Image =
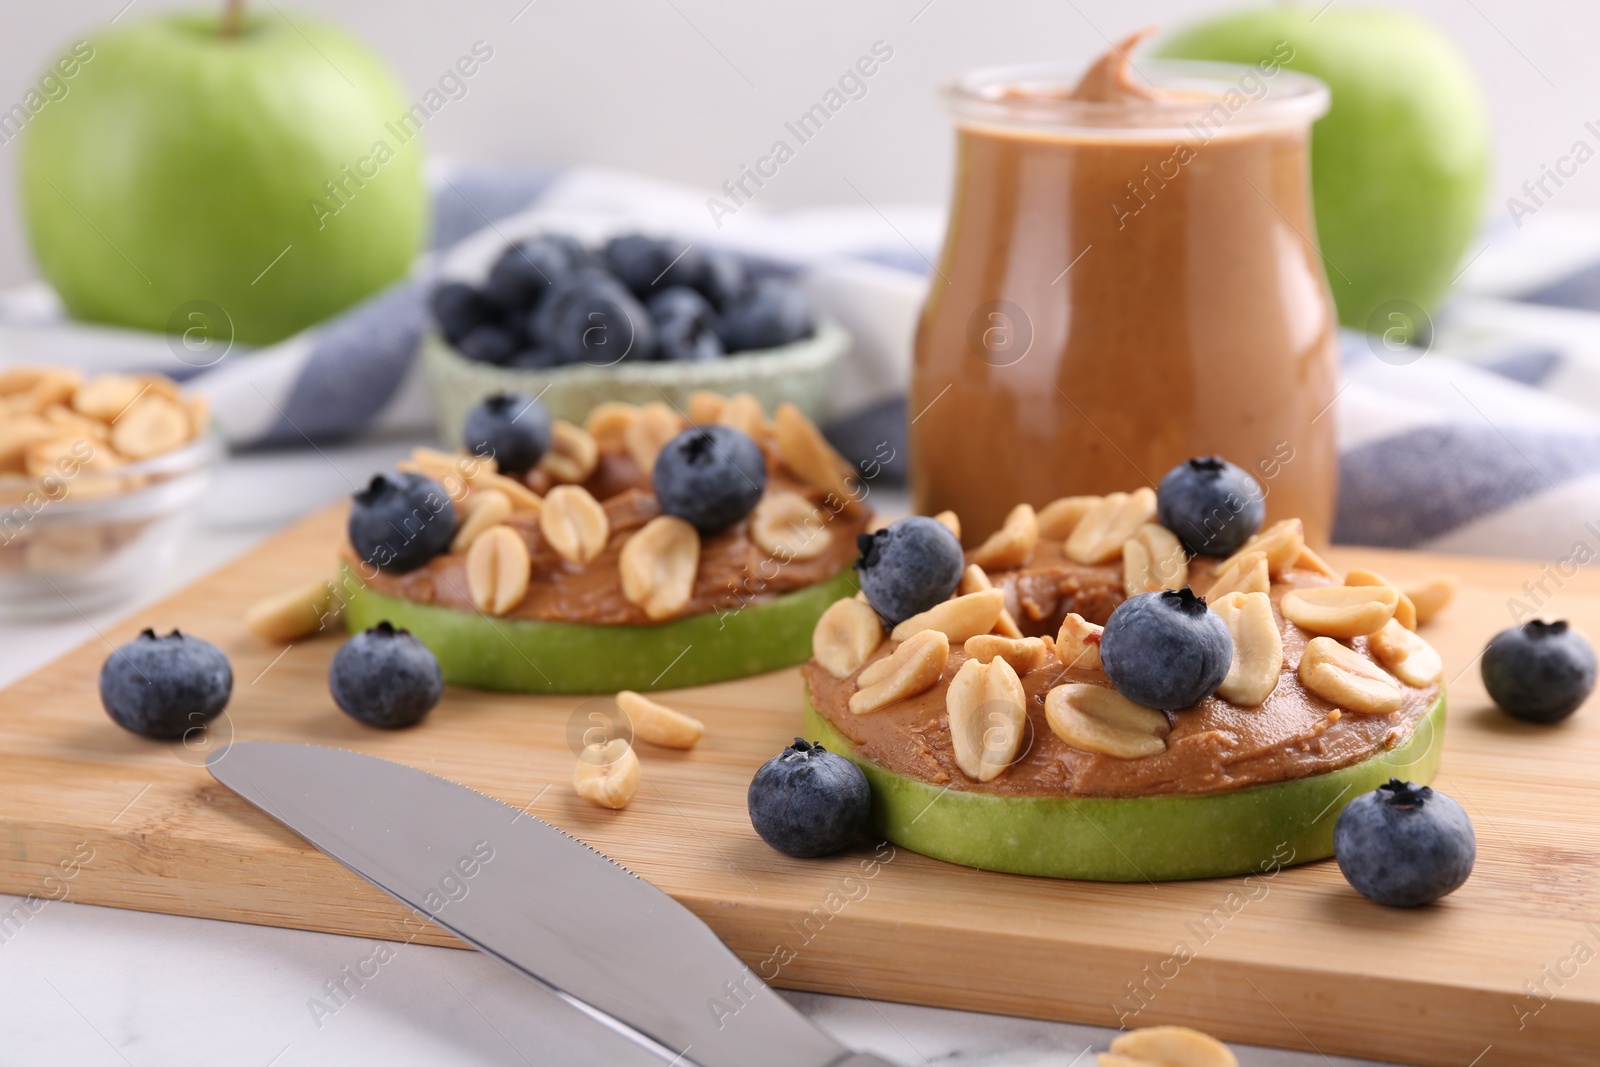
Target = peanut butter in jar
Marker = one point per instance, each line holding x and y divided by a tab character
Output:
1130	278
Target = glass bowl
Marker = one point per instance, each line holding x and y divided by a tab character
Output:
71	544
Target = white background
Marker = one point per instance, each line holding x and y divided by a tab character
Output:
690	89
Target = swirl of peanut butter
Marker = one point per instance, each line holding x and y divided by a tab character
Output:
1110	79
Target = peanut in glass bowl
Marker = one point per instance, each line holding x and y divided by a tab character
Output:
72	543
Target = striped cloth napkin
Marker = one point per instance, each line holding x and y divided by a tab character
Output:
1484	440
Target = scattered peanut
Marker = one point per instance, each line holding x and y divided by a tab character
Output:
652	427
498	569
911	669
608	423
1343	676
744	413
950	521
1257	648
1340	610
1078	643
1100	534
1310	561
1432	595
607	775
150	426
1012	545
788	526
974	580
958	618
659	724
573	454
1405	612
807	453
658	565
485	477
1095	718
1167	1046
1059	518
294	613
706	407
1283	543
574	523
1153	559
846	636
1244	573
489	507
1023	653
1408	656
987	709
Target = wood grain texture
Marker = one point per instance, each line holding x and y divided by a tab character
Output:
1294	959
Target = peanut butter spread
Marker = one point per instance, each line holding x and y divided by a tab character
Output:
1213	747
734	571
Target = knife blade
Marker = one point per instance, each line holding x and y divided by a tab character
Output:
535	898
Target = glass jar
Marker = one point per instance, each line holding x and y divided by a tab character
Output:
1125	285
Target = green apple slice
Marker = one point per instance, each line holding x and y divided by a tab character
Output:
531	656
1132	839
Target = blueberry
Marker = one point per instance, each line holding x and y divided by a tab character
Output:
488	344
685	326
1404	845
909	566
1212	506
1166	650
401	521
643	263
773	312
807	801
591	318
457	308
526	271
511	427
385	677
1539	671
710	477
163	687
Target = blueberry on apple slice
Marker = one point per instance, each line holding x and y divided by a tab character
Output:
685	326
400	521
513	428
909	566
164	687
1211	505
710	477
1166	650
1404	845
773	312
385	677
459	308
1539	671
808	802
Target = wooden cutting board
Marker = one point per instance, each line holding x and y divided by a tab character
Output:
1507	970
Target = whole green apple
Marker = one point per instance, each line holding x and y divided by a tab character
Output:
263	166
1400	162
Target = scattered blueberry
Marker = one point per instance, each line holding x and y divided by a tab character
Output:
1404	845
526	271
488	344
808	802
385	677
1211	505
710	477
685	326
1539	671
457	308
401	521
773	312
163	687
511	427
909	566
591	318
1166	650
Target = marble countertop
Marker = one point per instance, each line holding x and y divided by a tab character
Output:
87	985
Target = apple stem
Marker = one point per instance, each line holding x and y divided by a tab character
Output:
232	17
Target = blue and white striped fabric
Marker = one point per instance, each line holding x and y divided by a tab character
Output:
1487	442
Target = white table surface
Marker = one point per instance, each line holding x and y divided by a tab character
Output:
85	986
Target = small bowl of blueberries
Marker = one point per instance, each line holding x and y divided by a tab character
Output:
635	318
